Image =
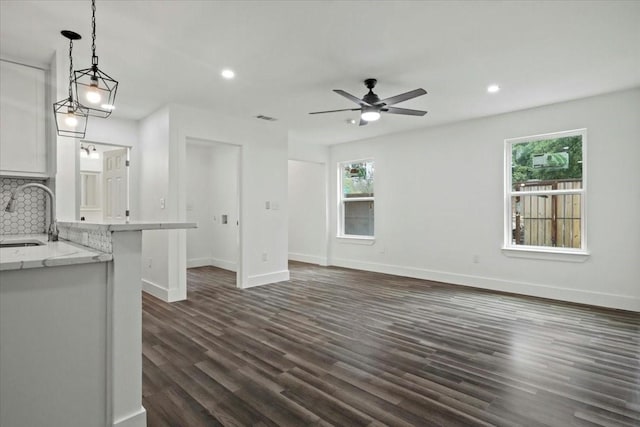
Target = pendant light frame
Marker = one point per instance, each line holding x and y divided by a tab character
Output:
68	111
94	82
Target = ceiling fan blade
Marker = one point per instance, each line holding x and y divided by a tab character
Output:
335	111
363	122
406	111
402	97
351	97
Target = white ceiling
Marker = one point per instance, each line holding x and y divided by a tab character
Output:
288	56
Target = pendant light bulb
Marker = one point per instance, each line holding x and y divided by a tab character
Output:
71	120
93	94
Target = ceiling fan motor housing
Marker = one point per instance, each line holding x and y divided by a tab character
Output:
370	98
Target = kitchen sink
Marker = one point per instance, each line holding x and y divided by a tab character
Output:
21	243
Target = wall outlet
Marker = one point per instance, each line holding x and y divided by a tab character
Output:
162	203
267	205
264	257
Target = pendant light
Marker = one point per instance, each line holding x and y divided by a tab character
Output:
95	90
71	117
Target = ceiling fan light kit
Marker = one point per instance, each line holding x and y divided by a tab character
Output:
370	114
371	106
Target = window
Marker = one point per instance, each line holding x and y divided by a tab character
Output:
545	192
356	208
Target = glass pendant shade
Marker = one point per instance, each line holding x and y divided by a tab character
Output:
71	118
94	89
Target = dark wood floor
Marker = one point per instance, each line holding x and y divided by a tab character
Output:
349	348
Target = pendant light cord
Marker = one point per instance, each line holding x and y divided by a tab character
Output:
94	58
70	69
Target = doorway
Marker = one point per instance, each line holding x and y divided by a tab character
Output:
104	182
213	201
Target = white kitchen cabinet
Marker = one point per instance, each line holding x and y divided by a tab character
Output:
23	139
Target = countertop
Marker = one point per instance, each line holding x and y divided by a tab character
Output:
127	226
50	254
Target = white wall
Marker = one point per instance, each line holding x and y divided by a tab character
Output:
225	200
67	180
263	178
199	204
163	137
154	182
439	204
308	152
307	212
212	191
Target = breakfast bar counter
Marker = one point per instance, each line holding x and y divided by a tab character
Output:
71	326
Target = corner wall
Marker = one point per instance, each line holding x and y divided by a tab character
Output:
307	212
440	203
263	178
163	137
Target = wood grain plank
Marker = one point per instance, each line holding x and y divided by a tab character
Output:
341	347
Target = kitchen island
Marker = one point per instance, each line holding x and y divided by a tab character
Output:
70	327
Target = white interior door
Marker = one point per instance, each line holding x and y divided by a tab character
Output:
115	184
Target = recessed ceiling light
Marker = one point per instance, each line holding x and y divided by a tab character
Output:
352	121
228	74
493	88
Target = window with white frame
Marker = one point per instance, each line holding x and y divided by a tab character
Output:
545	192
356	207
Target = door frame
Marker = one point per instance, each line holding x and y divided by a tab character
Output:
77	171
183	201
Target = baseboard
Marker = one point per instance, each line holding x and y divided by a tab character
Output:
198	262
600	299
265	279
311	259
162	293
215	262
224	264
138	419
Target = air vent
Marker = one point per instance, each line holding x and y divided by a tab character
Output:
267	118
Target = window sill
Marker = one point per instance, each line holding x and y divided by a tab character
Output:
356	240
546	254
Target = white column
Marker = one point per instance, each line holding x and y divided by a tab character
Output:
126	333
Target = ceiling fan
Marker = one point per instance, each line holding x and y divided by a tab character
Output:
371	105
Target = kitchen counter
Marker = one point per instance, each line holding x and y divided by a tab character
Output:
126	226
51	254
71	336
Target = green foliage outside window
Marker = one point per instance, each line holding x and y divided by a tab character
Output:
357	179
550	162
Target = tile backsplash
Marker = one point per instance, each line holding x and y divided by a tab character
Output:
30	216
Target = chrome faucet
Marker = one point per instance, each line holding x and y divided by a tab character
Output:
53	225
